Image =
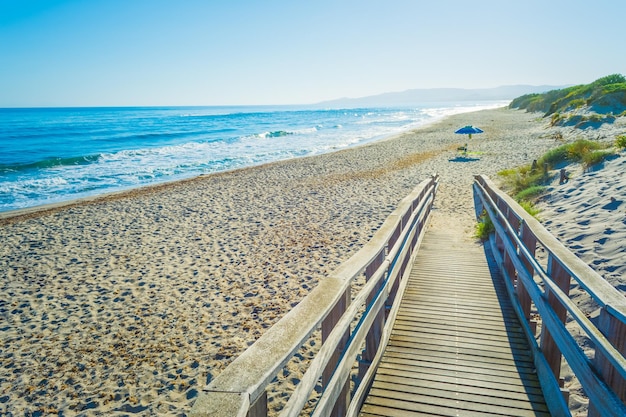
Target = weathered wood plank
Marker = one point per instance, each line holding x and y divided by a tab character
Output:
433	376
493	324
477	316
459	371
476	361
450	392
474	344
460	356
432	345
445	406
465	385
456	347
456	330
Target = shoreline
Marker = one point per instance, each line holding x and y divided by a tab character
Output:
26	212
131	303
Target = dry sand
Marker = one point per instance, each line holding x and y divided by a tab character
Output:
588	215
131	303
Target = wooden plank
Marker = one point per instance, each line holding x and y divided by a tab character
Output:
464	371
468	303
433	375
460	356
496	324
452	386
463	385
404	326
456	347
473	344
433	346
450	392
448	312
444	406
451	359
433	314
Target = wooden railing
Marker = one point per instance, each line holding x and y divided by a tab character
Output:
352	328
538	272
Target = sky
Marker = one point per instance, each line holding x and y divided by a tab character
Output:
244	52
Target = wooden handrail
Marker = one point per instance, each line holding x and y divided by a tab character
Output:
240	390
517	236
399	256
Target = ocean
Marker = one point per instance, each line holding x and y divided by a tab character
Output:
51	155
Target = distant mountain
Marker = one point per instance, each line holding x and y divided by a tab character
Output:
429	95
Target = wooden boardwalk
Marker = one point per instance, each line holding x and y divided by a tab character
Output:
456	347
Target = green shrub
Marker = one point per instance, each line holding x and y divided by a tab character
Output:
525	183
595	157
554	156
521	178
507	172
581	147
484	227
529	179
620	142
571	152
530	193
609	79
578	102
556	101
530	208
555	119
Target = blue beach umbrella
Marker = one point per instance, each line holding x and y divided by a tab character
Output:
468	130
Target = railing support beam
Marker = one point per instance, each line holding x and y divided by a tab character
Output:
372	340
530	242
615	331
549	347
327	327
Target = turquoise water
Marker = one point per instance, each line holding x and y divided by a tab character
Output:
49	155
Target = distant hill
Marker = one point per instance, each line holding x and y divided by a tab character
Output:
430	95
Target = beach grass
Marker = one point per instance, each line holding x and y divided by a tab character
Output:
484	227
527	182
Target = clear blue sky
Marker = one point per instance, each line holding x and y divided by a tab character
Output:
223	52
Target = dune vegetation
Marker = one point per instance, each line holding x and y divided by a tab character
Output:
581	105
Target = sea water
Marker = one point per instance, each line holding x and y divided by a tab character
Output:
50	155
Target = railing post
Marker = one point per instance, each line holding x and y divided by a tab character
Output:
395	235
615	331
500	238
372	340
327	327
551	351
416	235
530	242
508	263
259	407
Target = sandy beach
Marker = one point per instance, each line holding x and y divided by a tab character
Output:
131	303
